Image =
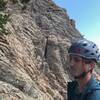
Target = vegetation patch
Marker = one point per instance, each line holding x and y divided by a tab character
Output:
24	1
3	18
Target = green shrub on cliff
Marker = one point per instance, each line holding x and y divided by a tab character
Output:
3	18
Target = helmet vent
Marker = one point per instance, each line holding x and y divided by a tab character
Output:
85	44
99	57
86	51
96	51
94	46
92	53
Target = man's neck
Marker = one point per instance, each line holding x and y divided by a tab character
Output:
83	82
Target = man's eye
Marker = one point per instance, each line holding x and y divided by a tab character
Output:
76	59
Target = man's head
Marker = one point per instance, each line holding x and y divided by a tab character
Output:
82	57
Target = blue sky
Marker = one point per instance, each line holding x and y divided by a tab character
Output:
86	14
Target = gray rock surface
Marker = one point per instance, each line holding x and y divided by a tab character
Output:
33	57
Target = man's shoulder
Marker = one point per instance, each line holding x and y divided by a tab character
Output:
93	90
94	94
94	85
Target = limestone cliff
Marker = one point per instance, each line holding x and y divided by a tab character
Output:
33	56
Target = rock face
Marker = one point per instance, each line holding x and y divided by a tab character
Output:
33	56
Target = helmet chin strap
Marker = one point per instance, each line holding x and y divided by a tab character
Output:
81	76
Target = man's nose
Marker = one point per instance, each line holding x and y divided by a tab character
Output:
72	62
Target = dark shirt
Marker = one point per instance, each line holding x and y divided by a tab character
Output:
90	92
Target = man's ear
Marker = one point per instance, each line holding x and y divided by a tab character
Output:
92	64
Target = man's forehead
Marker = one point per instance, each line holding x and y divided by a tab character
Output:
73	55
